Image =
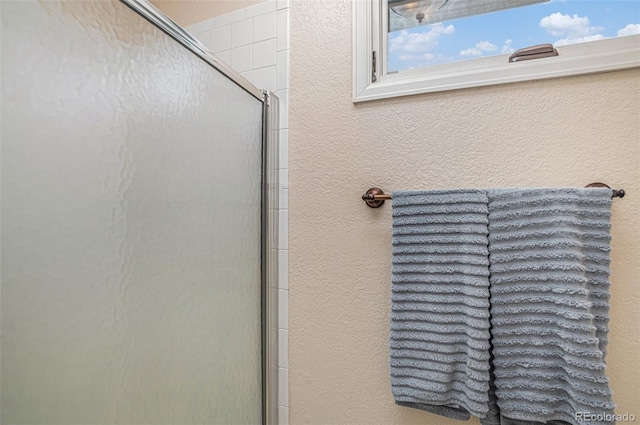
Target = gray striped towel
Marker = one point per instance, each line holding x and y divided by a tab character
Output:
440	302
547	260
549	256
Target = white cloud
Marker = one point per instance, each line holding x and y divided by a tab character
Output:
424	56
472	51
485	46
573	29
479	49
408	44
567	41
631	29
418	49
506	47
570	27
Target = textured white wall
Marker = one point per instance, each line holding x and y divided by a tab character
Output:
564	132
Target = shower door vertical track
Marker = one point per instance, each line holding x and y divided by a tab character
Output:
269	202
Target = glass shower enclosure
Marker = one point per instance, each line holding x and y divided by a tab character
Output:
138	205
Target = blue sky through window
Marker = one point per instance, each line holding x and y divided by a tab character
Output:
558	22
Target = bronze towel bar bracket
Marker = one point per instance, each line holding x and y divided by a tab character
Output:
375	197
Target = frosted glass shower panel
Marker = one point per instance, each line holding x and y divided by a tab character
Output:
131	224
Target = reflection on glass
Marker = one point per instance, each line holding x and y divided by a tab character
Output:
410	13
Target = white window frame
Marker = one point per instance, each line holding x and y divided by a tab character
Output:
370	35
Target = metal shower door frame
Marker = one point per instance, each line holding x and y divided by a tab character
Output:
269	202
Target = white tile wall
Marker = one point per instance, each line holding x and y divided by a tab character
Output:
242	58
220	39
282	62
283	95
284	153
264	53
242	33
283	387
283	257
204	37
283	415
283	29
264	78
264	27
255	42
283	354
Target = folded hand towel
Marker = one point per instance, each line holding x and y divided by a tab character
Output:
549	256
440	302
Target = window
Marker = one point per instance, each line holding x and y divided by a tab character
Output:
403	47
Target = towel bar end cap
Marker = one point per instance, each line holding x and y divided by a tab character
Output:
370	197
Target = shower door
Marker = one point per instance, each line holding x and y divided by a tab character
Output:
131	224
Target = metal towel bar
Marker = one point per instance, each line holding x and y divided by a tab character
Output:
375	197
